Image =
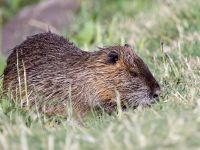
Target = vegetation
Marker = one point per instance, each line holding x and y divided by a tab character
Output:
166	34
11	7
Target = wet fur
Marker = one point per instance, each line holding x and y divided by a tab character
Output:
56	72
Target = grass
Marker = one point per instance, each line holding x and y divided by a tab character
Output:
173	123
11	7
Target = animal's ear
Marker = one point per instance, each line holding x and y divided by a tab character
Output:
112	57
127	45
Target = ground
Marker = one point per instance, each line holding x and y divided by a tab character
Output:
166	34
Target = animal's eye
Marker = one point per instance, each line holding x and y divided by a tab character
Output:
133	73
113	57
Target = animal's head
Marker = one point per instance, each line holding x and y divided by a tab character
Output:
128	74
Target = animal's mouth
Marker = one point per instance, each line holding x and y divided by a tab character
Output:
151	102
147	104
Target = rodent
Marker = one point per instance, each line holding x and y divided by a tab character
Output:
49	71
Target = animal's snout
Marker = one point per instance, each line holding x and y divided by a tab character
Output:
154	94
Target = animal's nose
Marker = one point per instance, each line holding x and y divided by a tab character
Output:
155	92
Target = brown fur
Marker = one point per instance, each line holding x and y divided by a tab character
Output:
57	72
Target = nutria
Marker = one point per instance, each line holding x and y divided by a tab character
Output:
48	70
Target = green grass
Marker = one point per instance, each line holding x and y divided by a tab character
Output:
173	123
11	7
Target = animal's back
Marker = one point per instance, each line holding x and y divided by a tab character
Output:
46	46
41	62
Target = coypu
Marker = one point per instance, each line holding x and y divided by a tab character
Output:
48	70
